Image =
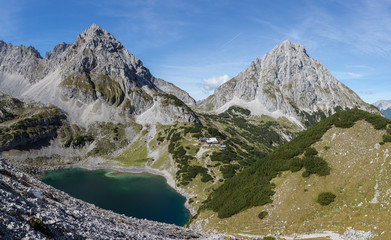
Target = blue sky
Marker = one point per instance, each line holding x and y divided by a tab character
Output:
198	44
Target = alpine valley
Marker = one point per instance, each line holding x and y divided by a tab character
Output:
281	150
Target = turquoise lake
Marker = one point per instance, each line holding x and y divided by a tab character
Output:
135	195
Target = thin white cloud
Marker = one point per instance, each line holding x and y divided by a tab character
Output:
292	32
231	40
366	27
210	84
360	67
369	92
347	75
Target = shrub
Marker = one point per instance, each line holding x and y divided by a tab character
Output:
310	152
81	140
295	164
169	98
386	138
238	109
196	128
206	177
262	214
229	171
38	225
269	238
176	137
316	165
325	198
305	174
224	156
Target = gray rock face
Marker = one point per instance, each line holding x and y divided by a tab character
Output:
57	50
384	106
20	60
31	209
285	82
172	107
93	79
174	90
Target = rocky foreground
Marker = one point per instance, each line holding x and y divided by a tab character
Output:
30	209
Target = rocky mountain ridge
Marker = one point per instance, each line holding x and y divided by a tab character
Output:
93	79
384	106
285	82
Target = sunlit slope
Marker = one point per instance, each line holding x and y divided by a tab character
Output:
355	145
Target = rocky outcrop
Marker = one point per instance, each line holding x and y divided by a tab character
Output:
20	60
57	50
31	209
285	82
173	108
384	106
93	79
174	90
25	124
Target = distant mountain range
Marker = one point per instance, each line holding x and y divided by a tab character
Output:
384	106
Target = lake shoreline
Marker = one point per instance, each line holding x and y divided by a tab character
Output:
132	170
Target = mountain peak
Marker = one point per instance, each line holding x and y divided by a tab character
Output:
285	82
95	36
286	42
289	47
94	30
94	26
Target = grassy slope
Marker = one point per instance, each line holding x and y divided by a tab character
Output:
360	171
253	186
356	169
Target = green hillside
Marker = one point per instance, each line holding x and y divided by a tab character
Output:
274	196
253	186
